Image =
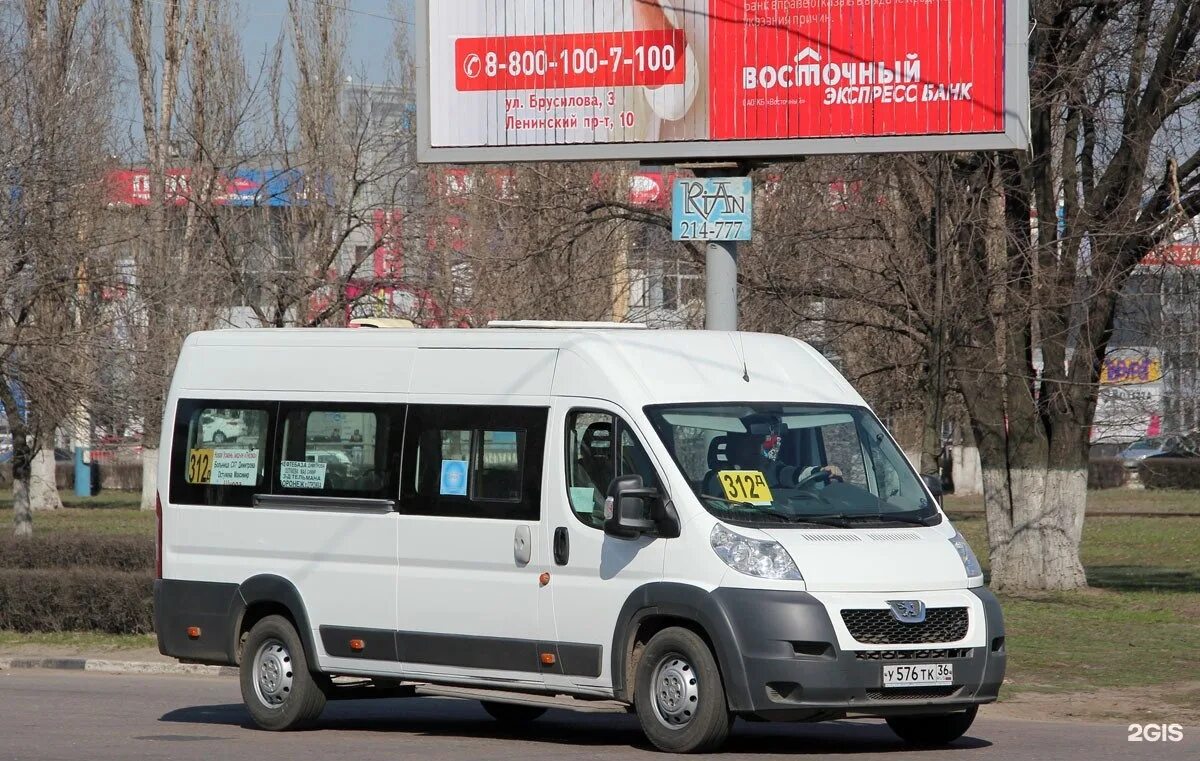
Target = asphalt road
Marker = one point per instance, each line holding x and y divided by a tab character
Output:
69	716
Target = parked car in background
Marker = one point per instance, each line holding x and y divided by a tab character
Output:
218	429
329	457
1141	449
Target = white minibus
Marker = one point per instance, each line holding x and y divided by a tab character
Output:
689	526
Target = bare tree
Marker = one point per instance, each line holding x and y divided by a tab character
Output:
158	332
56	100
1017	317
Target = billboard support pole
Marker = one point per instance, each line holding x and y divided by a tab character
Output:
720	264
720	285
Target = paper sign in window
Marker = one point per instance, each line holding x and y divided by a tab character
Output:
234	467
299	474
454	478
582	499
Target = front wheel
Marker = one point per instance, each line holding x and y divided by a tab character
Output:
277	687
939	729
679	697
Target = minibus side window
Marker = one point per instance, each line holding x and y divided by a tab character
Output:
476	462
220	452
601	446
339	450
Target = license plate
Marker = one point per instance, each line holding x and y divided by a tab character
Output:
917	674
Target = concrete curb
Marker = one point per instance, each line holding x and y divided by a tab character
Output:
105	666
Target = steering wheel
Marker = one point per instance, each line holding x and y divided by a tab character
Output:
822	475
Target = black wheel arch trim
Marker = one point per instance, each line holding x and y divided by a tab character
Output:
269	588
691	604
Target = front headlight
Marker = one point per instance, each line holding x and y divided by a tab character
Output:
969	561
753	557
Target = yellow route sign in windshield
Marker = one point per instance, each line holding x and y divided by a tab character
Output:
745	486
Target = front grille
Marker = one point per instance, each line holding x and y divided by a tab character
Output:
912	655
877	626
913	693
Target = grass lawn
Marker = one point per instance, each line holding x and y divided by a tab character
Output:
116	520
108	499
1110	501
1136	627
83	641
109	512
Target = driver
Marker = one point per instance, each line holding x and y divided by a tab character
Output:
762	454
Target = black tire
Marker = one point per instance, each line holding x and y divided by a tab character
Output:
689	715
219	437
295	698
939	729
511	713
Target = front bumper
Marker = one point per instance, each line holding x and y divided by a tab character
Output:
791	667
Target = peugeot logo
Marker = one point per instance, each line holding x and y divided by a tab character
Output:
908	611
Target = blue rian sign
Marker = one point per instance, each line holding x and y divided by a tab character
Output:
712	209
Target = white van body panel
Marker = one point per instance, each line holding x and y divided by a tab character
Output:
336	564
589	591
873	560
459	575
492	372
432	575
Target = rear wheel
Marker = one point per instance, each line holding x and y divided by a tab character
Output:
511	713
939	729
679	698
277	687
219	437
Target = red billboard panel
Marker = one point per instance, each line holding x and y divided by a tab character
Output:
1174	255
830	69
614	78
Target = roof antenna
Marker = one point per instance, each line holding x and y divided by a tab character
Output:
740	350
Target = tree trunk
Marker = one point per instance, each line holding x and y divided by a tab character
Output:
22	515
1034	525
149	477
931	429
21	459
43	487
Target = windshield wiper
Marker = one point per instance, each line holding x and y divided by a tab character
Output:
876	518
760	511
837	521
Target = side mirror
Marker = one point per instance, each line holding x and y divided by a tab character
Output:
627	508
934	484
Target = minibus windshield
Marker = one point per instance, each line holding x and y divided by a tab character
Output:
766	463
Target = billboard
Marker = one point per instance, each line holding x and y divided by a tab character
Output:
240	188
1130	402
516	80
1174	255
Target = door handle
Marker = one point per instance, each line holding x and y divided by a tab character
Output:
562	546
522	548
